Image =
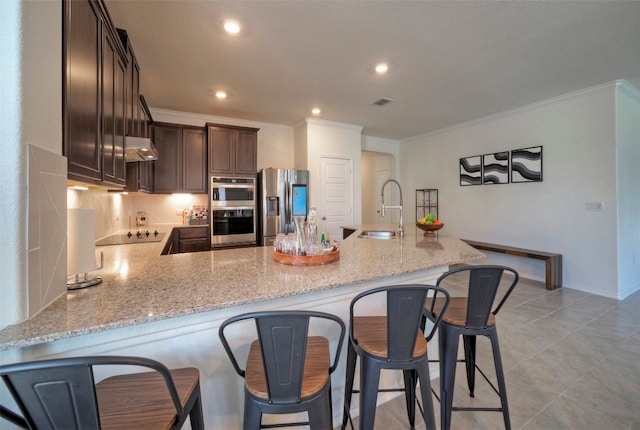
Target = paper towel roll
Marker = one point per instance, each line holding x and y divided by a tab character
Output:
81	249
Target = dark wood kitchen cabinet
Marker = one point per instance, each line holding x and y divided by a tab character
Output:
188	239
113	111
233	150
94	87
181	166
140	173
138	120
192	239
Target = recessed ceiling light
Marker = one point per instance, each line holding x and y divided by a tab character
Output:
316	111
382	68
221	94
232	27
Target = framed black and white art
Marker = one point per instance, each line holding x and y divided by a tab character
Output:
526	165
495	168
471	170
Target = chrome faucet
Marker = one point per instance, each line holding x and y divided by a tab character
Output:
382	212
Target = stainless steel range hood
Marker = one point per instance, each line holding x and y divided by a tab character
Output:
139	149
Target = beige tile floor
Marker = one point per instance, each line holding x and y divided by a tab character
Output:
571	361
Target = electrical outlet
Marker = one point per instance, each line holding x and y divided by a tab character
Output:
594	206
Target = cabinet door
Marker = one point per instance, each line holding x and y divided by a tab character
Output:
82	87
221	150
246	153
194	160
134	114
120	94
166	177
193	239
146	175
113	81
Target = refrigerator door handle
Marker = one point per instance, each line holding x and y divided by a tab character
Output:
287	206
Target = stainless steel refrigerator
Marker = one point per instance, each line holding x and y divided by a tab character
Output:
282	194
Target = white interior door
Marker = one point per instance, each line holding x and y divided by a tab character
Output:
336	195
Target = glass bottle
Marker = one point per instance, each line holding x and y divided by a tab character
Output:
299	235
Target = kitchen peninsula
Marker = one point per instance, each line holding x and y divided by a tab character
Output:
169	307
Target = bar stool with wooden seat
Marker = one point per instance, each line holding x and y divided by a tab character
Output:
394	340
287	371
61	394
469	317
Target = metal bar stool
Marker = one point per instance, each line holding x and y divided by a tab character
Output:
469	317
61	394
287	371
392	341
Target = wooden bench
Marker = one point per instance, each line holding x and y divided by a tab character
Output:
553	262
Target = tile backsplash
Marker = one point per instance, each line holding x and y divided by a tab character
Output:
115	211
47	258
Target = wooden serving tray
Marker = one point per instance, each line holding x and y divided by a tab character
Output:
307	260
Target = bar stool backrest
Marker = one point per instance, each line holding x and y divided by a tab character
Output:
405	308
57	398
283	339
60	394
405	313
484	282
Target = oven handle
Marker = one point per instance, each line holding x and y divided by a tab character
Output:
221	185
231	208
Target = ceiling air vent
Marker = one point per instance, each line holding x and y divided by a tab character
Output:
382	101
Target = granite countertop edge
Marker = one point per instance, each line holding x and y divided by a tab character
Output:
141	286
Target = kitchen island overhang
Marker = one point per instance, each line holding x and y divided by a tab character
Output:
142	286
169	307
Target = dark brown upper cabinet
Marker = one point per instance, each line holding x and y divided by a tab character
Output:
181	166
233	150
140	173
94	88
138	121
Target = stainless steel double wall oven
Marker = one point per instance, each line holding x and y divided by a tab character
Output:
233	211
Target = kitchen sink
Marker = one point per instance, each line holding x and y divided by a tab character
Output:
377	234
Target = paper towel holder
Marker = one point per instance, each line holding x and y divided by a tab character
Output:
83	281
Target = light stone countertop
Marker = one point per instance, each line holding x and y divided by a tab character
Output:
140	285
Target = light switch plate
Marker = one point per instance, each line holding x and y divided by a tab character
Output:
594	206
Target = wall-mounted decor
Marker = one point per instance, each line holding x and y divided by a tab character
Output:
495	168
471	170
526	165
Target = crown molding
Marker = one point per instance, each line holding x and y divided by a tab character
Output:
219	119
532	106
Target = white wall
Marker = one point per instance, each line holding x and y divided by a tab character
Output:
275	141
578	135
34	228
628	160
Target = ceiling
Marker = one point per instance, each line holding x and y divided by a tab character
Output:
449	61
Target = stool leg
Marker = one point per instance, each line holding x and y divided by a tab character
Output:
196	416
427	399
502	387
410	395
469	342
348	385
369	381
320	416
252	414
448	356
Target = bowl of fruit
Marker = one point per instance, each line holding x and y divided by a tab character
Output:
429	224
